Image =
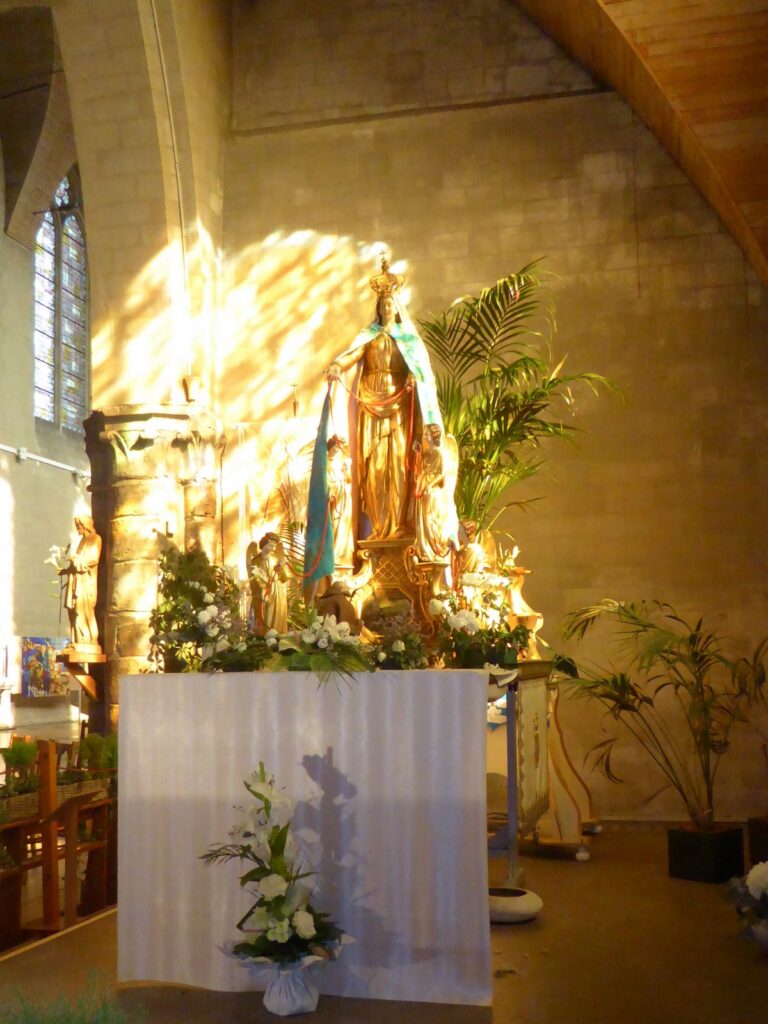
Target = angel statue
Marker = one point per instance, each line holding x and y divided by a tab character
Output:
436	471
393	397
269	584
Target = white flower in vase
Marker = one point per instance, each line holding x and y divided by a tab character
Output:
304	924
271	887
308	636
436	607
323	642
398	646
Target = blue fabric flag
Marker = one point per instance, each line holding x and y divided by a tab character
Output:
318	552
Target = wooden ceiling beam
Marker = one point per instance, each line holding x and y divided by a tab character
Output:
717	72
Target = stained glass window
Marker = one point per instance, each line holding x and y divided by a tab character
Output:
61	312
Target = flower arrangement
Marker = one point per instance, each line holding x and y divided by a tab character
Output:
321	645
197	622
400	644
470	638
282	926
750	896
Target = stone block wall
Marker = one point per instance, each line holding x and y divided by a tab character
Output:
662	495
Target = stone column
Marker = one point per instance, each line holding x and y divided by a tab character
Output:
154	477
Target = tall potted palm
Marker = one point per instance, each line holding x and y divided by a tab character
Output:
679	698
499	395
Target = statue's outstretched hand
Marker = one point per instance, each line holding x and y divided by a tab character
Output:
333	372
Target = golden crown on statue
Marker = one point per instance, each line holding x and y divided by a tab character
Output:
385	283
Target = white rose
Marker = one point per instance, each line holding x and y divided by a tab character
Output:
436	607
279	931
271	633
212	630
398	645
322	642
344	630
222	645
308	636
202	616
271	641
272	886
382	656
757	880
208	598
304	924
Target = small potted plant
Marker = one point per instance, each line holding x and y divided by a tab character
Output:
283	931
679	699
19	795
750	896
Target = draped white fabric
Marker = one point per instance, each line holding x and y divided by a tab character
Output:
389	775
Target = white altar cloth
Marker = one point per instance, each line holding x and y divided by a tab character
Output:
389	772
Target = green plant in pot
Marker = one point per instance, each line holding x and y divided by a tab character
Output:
498	394
679	698
20	774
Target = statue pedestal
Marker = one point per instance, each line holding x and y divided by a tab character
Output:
392	575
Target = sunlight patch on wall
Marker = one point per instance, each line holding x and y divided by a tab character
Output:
291	304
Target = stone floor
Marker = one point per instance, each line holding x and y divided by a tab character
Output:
618	942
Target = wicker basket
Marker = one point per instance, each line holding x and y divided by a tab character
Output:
27	805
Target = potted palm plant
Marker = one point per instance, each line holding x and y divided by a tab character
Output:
679	699
498	395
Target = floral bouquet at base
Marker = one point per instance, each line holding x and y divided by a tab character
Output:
468	639
750	896
399	644
282	927
322	645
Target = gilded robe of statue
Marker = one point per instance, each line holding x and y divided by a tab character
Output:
392	396
382	438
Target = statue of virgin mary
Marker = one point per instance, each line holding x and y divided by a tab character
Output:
392	397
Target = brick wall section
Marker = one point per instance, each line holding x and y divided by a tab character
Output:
301	62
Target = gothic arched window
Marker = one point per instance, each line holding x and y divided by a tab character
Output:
61	312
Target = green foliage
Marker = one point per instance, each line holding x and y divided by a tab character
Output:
197	614
679	697
498	394
20	775
99	753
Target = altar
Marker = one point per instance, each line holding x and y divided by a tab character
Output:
389	772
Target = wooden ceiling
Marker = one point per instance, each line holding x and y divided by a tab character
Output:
696	71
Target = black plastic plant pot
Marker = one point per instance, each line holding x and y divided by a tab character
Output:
713	856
